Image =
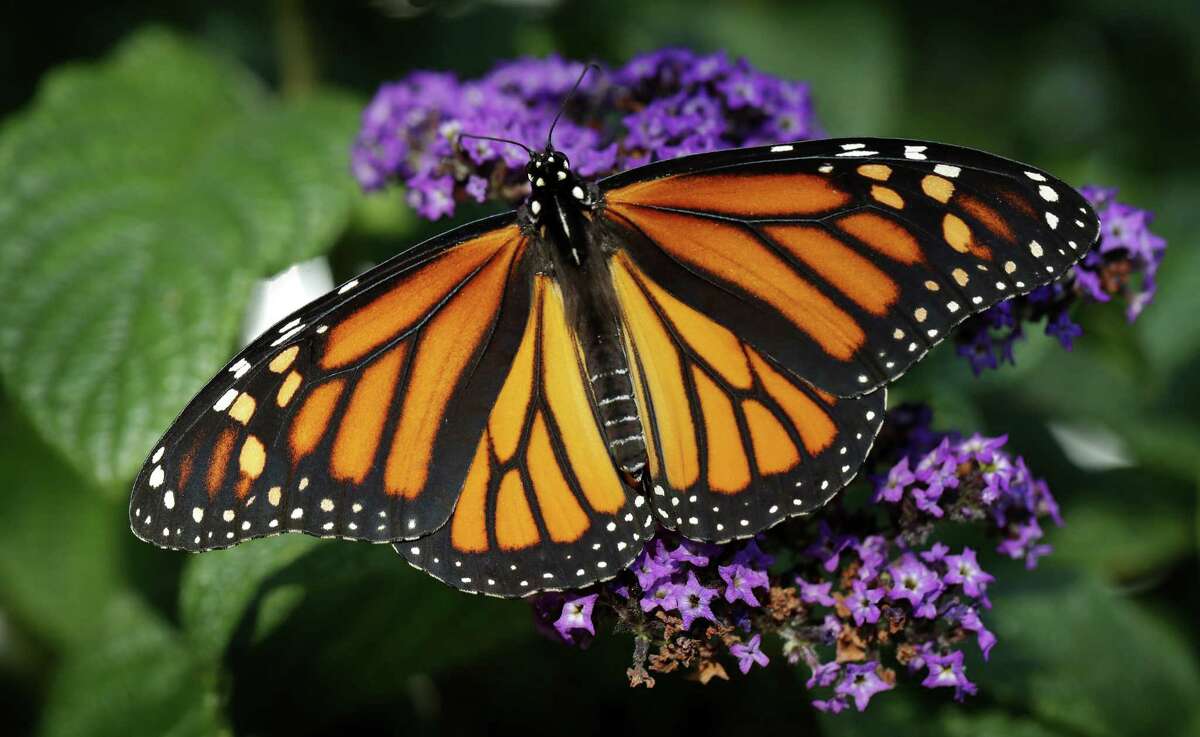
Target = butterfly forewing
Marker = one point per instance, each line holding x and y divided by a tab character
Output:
331	422
847	261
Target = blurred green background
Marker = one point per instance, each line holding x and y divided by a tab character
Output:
156	158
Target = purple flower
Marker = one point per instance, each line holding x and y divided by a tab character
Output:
828	547
862	603
749	654
1064	329
741	581
898	479
947	671
912	581
690	551
872	551
964	570
935	553
666	104
576	615
1022	542
825	674
861	682
661	595
970	621
693	601
833	706
653	564
751	555
815	593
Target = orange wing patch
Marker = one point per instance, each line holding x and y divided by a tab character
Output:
729	380
735	256
410	300
553	469
361	428
446	345
761	195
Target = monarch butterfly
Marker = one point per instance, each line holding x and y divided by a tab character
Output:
702	343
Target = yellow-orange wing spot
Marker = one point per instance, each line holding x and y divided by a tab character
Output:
287	389
565	519
251	462
219	462
507	419
991	219
361	429
883	235
887	196
850	273
313	418
817	429
958	235
410	300
570	405
674	433
728	467
468	527
714	343
515	528
878	172
447	343
731	254
253	458
242	408
283	359
938	188
747	195
773	449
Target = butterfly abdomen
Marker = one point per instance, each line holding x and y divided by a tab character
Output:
612	388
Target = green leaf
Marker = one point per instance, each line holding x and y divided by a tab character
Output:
139	199
1076	654
218	587
136	678
1116	529
59	559
354	623
895	713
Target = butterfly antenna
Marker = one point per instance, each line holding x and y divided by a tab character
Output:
528	150
562	108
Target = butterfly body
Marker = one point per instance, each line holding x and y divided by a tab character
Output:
701	344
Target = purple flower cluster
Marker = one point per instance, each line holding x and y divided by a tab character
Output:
666	103
870	595
1123	264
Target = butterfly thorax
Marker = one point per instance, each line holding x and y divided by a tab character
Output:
558	202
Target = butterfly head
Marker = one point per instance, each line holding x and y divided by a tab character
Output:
549	171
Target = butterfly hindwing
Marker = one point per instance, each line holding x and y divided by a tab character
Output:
543	506
847	260
735	442
356	417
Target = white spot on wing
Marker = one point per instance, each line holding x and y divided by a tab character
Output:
947	170
226	400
